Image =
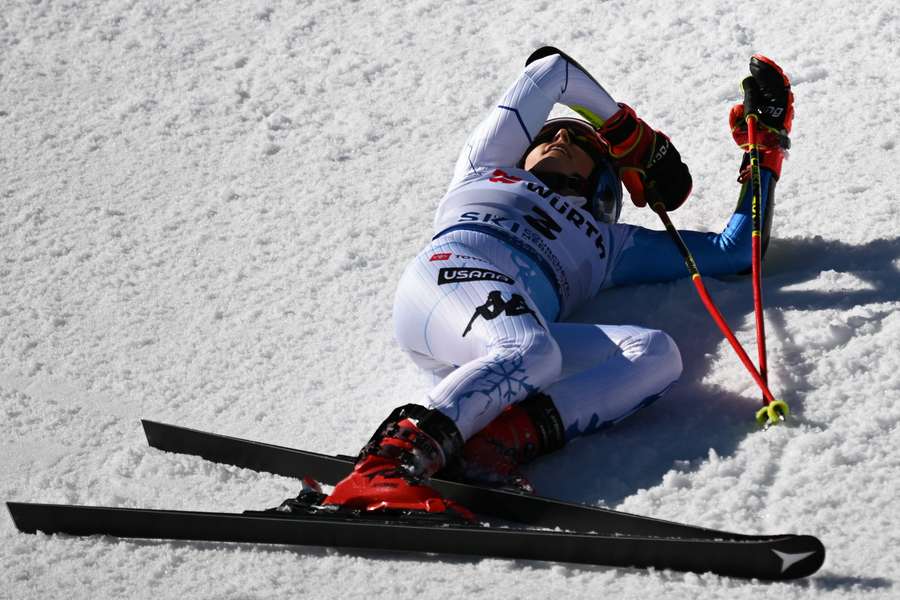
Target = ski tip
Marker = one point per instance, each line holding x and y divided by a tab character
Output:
800	556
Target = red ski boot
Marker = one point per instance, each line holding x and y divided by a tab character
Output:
390	472
520	434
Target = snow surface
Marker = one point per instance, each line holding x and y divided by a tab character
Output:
205	207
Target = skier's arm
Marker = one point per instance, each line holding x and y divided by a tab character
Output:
502	137
650	256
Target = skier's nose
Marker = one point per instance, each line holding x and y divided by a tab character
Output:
562	135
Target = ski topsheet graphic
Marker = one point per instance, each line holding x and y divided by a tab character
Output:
594	536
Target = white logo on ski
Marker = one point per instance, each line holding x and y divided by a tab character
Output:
788	559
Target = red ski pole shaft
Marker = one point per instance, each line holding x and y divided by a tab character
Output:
756	248
659	209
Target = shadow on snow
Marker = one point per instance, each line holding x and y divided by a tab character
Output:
694	418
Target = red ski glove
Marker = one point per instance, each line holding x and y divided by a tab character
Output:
649	165
767	94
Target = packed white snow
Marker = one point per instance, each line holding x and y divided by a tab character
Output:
205	207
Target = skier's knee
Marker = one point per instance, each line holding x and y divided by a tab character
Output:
663	347
653	345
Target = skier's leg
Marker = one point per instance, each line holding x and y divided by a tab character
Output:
610	372
450	313
490	329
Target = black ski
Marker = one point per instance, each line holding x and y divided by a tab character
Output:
783	557
512	506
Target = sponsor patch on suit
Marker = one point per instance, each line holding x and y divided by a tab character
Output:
464	274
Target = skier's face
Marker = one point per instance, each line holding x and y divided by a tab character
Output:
561	154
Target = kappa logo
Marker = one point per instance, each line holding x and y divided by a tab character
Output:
501	176
461	275
440	256
496	306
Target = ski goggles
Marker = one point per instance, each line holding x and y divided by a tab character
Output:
580	134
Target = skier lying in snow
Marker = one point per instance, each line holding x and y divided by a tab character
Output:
525	235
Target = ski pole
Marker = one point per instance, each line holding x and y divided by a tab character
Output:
774	410
756	248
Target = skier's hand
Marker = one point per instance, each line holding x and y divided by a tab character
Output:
649	164
767	138
768	97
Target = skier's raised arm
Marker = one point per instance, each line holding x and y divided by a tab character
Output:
509	128
644	157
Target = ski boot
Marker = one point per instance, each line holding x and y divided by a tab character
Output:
493	457
391	471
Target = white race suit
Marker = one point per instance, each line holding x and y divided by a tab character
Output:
480	306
